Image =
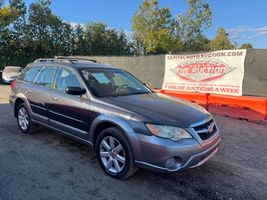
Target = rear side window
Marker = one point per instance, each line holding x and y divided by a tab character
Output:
29	74
45	77
66	78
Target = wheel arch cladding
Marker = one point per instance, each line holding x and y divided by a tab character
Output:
104	122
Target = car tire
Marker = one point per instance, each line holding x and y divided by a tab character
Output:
24	120
114	154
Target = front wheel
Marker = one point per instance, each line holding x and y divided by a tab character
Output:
114	154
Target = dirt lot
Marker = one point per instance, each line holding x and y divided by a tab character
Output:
47	165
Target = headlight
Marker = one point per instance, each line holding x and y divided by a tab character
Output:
173	133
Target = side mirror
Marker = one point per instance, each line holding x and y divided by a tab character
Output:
75	91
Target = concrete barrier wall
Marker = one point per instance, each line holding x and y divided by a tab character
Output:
150	69
255	77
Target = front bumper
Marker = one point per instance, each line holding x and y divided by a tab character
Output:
151	152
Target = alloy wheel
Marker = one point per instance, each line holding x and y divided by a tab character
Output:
23	118
112	154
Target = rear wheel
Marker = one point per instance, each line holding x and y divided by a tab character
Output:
114	154
24	119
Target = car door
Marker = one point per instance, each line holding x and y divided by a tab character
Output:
69	113
26	79
38	93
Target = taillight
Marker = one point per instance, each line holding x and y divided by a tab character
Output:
12	84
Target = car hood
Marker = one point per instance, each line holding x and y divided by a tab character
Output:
161	109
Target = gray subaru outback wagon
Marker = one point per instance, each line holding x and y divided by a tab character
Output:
127	124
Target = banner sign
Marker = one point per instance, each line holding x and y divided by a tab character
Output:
219	72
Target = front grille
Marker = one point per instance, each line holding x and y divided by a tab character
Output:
206	130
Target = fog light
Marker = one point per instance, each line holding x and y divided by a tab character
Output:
170	163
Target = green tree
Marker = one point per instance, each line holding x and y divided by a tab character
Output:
29	34
123	44
61	37
11	33
199	43
101	40
221	41
246	46
191	25
6	14
95	37
19	13
154	28
47	34
79	41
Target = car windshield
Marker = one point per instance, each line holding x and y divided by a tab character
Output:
111	83
12	69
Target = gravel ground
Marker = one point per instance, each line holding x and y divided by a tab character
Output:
47	165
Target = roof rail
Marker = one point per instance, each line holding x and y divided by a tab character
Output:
64	59
52	60
75	58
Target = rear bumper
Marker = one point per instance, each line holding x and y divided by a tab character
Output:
154	152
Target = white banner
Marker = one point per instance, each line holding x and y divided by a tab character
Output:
219	72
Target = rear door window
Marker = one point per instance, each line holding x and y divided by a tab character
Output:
29	74
46	76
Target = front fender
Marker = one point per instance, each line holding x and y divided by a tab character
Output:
116	121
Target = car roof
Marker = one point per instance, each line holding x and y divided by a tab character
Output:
73	63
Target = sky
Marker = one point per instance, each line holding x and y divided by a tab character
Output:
244	20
